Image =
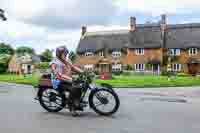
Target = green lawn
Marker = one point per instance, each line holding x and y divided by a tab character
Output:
118	81
12	78
151	81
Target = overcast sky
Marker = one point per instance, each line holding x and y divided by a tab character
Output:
45	24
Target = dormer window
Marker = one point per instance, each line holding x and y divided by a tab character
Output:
193	51
139	51
116	53
101	54
89	54
174	52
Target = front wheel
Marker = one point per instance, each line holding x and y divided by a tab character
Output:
104	101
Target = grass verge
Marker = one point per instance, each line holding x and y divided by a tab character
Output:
117	81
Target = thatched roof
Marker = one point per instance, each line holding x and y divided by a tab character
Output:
183	36
146	36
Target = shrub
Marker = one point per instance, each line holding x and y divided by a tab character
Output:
148	66
182	74
164	73
128	67
42	65
3	67
4	59
117	73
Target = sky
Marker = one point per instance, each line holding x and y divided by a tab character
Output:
46	24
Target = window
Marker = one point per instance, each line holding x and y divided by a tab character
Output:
116	53
174	52
139	67
176	67
139	51
116	67
101	54
89	54
88	67
192	51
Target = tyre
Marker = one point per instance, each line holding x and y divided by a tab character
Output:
102	97
51	100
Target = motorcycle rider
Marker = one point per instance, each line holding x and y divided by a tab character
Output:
62	69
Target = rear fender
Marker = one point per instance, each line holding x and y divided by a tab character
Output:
41	89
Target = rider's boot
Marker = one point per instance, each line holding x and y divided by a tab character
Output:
74	113
77	105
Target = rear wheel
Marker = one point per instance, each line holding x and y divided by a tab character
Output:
51	100
104	101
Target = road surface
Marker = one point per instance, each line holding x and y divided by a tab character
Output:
140	112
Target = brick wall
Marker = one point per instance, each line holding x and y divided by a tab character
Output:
149	54
183	58
128	57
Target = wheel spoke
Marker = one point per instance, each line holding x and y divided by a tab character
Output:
46	101
98	104
99	101
52	100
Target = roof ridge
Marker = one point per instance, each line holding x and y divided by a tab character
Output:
107	32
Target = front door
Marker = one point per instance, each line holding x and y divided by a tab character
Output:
155	67
104	68
193	69
28	69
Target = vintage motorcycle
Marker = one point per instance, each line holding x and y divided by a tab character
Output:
102	99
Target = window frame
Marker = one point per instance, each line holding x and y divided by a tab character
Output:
141	67
191	51
116	67
139	51
89	54
175	52
101	54
116	54
175	66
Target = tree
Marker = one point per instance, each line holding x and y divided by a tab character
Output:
6	49
46	56
2	15
72	56
24	50
4	59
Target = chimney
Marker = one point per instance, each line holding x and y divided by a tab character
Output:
132	24
84	30
163	23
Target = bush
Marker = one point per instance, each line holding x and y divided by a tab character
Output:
4	60
148	66
117	73
42	65
128	67
182	74
3	68
164	73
